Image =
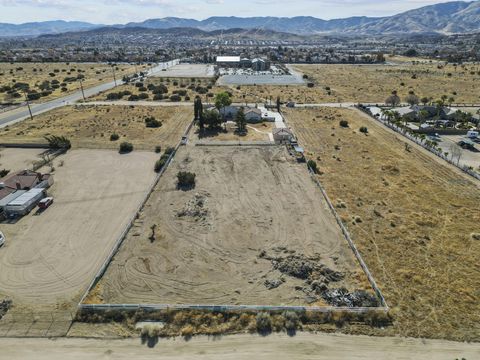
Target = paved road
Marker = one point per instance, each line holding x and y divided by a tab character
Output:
279	347
10	117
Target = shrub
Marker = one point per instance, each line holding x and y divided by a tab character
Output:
133	98
114	137
158	149
113	96
143	96
344	123
313	166
186	179
175	98
169	150
157	97
160	163
58	142
4	173
125	147
34	96
151	122
263	322
291	321
364	130
310	85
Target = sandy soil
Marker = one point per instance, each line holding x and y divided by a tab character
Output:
418	216
91	126
24	73
18	159
254	199
302	346
50	258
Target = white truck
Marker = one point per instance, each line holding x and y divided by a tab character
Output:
472	134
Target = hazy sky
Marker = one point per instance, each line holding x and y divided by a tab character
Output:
121	11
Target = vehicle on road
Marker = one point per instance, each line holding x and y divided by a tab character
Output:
2	239
184	140
45	202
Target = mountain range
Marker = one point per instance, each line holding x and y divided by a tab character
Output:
446	18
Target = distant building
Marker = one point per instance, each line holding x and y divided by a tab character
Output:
228	61
245	63
260	64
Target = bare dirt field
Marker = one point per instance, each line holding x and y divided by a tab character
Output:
233	239
18	159
63	75
50	257
188	71
91	126
302	346
420	221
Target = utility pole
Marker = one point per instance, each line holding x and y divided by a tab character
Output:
81	87
28	104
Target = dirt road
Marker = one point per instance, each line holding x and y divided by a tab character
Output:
278	347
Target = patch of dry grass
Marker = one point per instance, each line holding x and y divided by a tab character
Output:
91	126
417	220
35	73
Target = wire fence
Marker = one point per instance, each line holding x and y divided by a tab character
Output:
36	324
130	223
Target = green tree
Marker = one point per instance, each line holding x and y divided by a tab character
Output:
221	101
212	119
198	111
241	121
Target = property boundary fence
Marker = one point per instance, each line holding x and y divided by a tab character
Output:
223	308
440	154
129	225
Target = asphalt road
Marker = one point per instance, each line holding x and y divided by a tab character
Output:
19	114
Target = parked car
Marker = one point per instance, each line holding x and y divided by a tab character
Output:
45	202
2	239
466	144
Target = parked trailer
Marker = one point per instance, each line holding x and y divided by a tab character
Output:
23	204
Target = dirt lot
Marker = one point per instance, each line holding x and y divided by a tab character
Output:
49	258
18	159
468	158
418	221
217	243
91	126
188	71
35	74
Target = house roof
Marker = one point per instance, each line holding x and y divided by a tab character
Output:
25	179
282	131
253	110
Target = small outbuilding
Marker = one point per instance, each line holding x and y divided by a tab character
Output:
282	135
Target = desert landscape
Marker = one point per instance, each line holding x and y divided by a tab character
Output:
53	80
419	220
241	237
90	126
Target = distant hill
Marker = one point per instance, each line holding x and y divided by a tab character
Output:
45	27
445	18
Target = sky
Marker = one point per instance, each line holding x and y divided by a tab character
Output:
122	11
